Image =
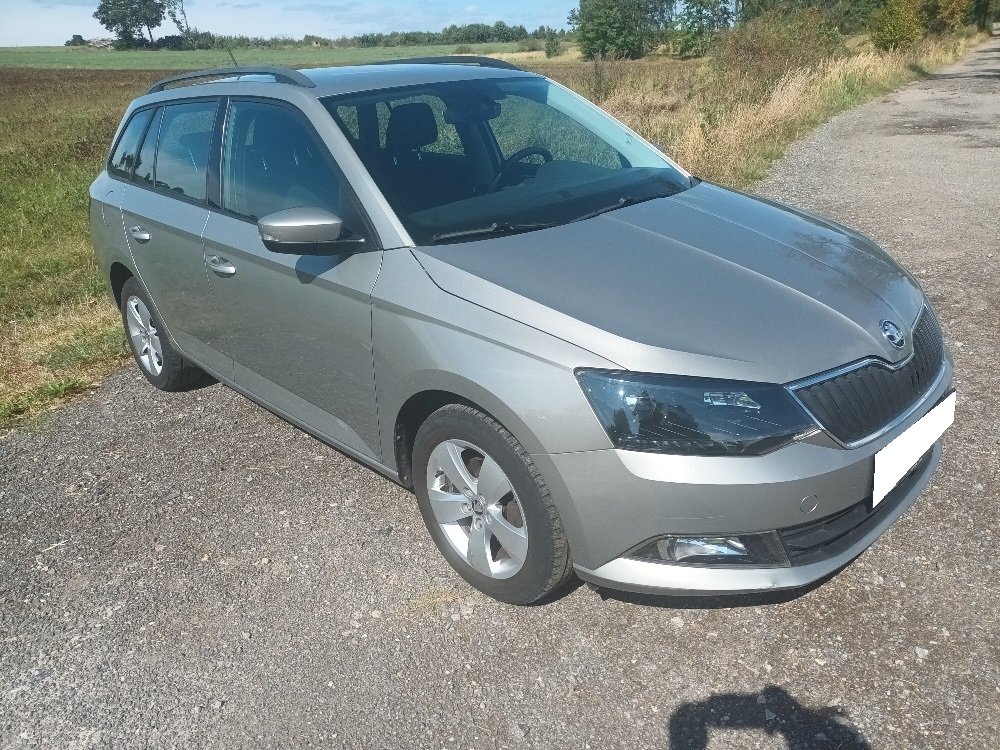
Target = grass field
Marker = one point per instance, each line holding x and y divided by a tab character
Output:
58	331
301	57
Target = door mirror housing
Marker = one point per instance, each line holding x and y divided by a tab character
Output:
307	231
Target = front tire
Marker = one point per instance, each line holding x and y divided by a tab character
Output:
487	507
162	365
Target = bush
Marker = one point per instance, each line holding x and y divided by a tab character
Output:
311	40
76	41
172	42
897	26
952	14
529	45
463	49
553	47
770	45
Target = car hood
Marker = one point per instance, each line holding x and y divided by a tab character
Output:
707	282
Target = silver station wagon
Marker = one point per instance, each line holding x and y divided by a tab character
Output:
579	357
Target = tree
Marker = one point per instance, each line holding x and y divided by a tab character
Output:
699	22
984	12
620	28
953	13
849	16
897	26
553	47
177	14
127	18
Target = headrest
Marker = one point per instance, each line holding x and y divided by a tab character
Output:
410	126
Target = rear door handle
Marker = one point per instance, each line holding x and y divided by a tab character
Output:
220	265
139	234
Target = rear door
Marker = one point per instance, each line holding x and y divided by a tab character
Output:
164	212
298	327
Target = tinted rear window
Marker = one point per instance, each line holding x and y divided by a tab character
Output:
123	159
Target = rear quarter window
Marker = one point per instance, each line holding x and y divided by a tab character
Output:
183	147
123	159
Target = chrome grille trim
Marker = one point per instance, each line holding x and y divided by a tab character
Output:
848	400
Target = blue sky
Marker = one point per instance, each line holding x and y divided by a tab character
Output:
55	21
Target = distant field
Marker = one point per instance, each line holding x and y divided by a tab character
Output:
101	59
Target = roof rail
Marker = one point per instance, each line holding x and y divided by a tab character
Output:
483	62
281	75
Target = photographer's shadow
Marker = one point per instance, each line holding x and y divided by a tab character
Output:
774	711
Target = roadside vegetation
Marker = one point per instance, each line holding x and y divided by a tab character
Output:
725	116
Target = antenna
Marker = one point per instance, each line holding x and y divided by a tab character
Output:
232	56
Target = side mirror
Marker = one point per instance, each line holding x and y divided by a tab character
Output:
306	231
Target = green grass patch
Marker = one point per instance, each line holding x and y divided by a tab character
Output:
86	348
24	404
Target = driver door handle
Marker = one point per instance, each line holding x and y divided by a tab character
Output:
139	234
220	265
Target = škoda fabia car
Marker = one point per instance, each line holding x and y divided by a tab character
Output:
581	358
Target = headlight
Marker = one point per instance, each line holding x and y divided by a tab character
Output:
694	416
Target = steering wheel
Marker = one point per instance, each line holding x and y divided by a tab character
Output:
513	159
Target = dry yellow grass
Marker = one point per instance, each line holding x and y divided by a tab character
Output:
570	54
728	129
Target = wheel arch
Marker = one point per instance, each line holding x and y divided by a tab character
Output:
422	402
118	275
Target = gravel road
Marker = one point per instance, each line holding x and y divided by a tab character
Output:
190	571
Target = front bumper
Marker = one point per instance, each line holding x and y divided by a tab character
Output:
612	501
641	576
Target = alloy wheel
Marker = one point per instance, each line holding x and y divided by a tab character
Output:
144	336
477	509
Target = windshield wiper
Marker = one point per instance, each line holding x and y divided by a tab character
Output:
625	200
494	228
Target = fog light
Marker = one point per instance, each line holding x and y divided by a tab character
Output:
681	548
763	549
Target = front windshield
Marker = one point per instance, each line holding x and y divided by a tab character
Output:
464	159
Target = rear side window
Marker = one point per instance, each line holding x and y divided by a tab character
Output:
123	160
147	155
183	147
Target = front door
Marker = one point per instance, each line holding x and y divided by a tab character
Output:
298	327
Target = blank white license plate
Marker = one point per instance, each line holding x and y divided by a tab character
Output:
894	462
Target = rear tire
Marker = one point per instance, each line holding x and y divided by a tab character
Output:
487	507
162	365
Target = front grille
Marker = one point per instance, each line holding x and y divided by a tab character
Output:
860	402
829	536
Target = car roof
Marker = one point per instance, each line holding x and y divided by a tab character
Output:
356	78
332	81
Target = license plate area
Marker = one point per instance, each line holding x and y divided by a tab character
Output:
895	460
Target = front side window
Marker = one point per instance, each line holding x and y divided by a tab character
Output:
459	160
123	160
273	161
183	146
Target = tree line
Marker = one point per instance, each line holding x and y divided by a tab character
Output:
633	28
133	22
602	28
